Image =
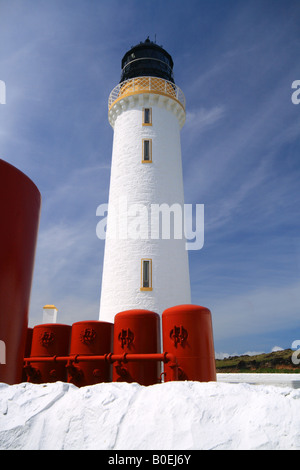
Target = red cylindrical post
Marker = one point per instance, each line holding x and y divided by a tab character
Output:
188	335
90	338
137	331
51	339
20	203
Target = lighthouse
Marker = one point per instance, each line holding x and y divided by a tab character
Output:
145	258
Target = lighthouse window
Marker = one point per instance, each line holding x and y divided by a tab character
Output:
146	277
147	117
147	151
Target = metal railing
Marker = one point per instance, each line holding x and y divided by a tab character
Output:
139	85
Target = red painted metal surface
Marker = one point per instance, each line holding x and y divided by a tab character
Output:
110	358
137	332
52	339
28	341
90	338
20	203
27	350
188	334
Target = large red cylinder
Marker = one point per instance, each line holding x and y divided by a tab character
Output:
90	338
20	203
49	340
137	332
188	334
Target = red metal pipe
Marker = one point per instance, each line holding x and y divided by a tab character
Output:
122	358
164	357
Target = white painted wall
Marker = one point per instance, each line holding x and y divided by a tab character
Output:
147	183
49	314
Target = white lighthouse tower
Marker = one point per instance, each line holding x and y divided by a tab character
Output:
145	258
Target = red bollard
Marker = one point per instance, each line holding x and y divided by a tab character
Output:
48	340
137	332
20	203
90	338
188	335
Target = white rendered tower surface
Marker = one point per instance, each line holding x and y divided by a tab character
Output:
49	314
145	259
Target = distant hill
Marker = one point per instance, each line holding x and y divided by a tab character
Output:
276	362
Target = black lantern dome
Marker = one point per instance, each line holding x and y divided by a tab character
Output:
147	59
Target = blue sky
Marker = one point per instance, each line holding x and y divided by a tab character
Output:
235	62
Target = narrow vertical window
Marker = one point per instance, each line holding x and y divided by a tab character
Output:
146	274
147	116
147	151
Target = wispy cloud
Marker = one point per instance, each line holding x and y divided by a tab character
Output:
67	271
202	118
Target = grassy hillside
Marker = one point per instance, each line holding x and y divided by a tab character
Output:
276	362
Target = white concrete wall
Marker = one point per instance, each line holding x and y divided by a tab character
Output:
278	380
147	183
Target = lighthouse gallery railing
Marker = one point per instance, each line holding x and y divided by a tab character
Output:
143	85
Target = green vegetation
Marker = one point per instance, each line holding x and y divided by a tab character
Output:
275	362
